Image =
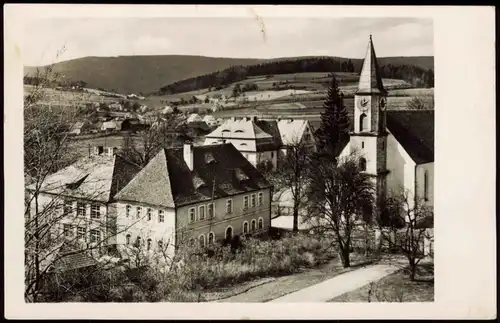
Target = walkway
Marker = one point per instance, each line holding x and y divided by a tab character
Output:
339	285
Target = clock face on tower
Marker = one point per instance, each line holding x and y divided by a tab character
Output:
364	103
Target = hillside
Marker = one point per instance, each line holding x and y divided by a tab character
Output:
136	74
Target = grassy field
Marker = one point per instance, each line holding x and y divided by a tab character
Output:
395	288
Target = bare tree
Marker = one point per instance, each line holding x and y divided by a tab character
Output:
161	134
52	221
293	175
404	223
338	197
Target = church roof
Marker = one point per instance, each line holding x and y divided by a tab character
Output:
167	180
370	80
414	130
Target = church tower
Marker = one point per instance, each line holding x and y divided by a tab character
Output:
369	137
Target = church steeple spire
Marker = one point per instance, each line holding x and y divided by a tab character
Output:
370	80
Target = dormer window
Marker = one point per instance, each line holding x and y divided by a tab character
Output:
226	130
198	182
238	131
209	158
240	175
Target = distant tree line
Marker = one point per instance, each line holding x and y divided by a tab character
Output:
30	80
414	75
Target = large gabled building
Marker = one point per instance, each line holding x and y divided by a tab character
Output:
205	194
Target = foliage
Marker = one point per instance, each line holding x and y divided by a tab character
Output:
334	127
192	270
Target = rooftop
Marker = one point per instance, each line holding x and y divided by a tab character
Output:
96	178
167	181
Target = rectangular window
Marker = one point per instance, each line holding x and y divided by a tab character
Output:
229	206
81	209
138	212
150	214
95	236
253	200
210	210
95	211
192	215
245	203
201	212
362	144
68	230
161	216
68	207
128	210
261	198
80	233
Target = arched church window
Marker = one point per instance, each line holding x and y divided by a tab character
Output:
363	122
362	164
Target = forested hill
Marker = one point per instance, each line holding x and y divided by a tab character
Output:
417	75
136	74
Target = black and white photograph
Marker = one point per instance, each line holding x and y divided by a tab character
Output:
230	159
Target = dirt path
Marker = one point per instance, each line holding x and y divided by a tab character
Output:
292	283
339	285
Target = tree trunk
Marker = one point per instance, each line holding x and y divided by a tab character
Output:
344	256
296	217
413	269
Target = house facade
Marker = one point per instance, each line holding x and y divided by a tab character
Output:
197	194
296	132
257	140
77	201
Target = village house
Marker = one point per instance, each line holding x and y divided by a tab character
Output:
296	132
194	117
210	120
81	127
112	125
258	140
203	194
396	147
79	199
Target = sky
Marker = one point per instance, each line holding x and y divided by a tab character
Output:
223	37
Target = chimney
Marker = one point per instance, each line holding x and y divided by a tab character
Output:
188	155
233	118
248	118
254	118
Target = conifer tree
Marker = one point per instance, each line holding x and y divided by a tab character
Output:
334	128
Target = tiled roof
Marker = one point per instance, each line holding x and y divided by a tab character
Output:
167	180
73	261
414	130
370	80
96	178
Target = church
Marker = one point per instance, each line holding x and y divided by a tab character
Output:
396	146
